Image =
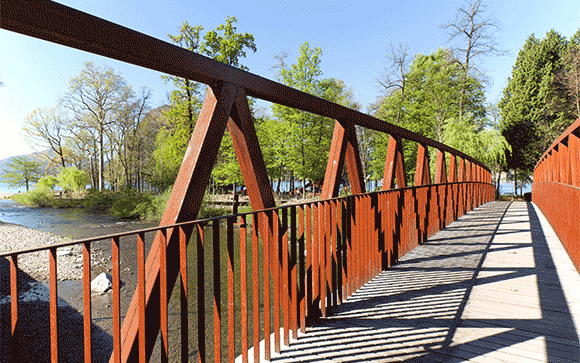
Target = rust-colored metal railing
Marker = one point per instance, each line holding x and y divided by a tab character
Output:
226	105
556	188
319	255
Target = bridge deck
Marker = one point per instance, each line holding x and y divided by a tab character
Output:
494	286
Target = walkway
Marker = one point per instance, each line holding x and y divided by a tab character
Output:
494	286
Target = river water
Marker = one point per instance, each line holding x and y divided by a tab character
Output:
73	223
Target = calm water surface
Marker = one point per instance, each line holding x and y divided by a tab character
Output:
74	223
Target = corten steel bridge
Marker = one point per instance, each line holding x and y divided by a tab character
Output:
286	269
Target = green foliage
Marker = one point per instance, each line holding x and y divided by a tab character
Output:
98	201
225	45
170	147
227	170
307	136
229	47
533	111
22	171
131	204
487	146
155	209
430	105
72	179
36	198
47	182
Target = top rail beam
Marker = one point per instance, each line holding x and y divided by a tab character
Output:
575	126
76	29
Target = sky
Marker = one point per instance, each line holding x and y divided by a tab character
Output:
353	36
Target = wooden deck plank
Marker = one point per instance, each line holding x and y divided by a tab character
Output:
494	286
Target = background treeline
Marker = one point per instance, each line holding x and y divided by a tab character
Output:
111	133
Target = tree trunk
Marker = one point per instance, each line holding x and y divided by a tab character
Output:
515	182
101	157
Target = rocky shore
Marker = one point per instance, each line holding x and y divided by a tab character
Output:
14	237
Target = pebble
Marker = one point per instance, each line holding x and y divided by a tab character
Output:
15	237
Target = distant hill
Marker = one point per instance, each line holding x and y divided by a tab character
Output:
39	155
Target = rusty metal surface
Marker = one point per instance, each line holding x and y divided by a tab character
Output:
394	165
556	189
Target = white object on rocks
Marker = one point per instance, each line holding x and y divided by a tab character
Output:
64	251
102	283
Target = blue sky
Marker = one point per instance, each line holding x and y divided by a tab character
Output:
353	36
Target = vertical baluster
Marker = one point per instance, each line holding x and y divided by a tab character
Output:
276	272
14	330
200	295
255	288
231	290
244	288
301	259
87	300
266	265
163	295
293	274
184	294
323	253
309	279
54	309
217	297
339	250
315	261
141	288
285	293
333	253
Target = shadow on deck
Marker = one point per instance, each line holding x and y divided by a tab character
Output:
496	285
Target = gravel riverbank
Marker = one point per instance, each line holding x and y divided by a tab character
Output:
14	237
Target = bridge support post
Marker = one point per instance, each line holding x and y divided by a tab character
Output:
344	147
183	205
394	165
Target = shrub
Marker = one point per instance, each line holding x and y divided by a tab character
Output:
72	179
46	182
38	197
131	204
98	201
156	208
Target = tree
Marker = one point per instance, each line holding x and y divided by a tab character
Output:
72	179
47	182
126	135
431	100
47	129
308	134
394	79
93	98
569	76
22	170
534	110
230	47
487	146
186	100
473	35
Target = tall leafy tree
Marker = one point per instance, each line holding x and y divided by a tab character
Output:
225	45
533	111
22	171
569	76
229	46
48	129
431	101
308	135
93	97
